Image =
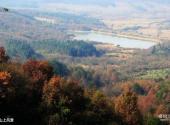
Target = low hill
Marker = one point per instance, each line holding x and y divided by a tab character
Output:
16	24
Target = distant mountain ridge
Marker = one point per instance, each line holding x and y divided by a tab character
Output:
104	7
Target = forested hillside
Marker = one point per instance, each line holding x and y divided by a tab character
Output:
21	50
72	48
36	93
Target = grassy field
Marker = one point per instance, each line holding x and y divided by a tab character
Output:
156	74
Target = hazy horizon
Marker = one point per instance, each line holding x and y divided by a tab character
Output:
149	8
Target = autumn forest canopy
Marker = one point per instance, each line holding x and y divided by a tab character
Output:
39	92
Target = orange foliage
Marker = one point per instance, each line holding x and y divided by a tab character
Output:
4	78
126	87
126	107
162	109
39	71
50	90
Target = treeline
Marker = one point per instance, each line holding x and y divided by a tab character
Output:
161	49
20	50
72	48
23	50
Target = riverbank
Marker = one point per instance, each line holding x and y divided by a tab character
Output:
123	35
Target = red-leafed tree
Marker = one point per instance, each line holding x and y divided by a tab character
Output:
38	71
146	103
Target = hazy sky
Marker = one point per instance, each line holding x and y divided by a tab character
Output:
92	2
